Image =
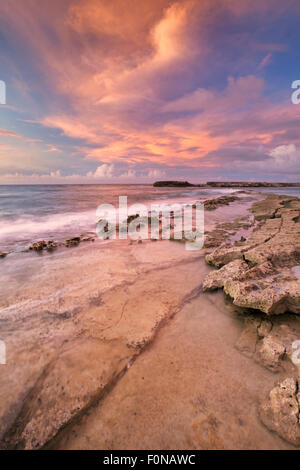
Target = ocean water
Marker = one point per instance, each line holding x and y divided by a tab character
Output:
32	212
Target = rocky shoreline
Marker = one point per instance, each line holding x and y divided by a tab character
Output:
257	273
51	245
72	336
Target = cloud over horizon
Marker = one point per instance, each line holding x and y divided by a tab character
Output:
177	89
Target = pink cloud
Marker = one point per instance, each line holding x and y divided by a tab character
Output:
115	69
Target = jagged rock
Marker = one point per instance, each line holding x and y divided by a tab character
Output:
274	295
280	411
265	280
212	204
38	246
264	328
132	217
268	342
73	242
215	238
216	279
270	352
224	255
255	328
51	245
266	208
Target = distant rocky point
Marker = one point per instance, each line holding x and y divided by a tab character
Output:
174	184
225	184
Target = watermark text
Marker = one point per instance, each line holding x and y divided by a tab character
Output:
2	92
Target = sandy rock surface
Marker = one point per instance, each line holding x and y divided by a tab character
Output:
280	410
258	272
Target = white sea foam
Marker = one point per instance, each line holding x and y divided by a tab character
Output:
46	224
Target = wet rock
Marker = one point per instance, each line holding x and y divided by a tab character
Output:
132	217
87	239
270	352
38	246
216	279
68	384
274	295
246	343
268	342
265	281
215	238
73	242
51	245
280	411
224	255
212	204
264	328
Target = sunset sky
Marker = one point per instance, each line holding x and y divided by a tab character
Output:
133	91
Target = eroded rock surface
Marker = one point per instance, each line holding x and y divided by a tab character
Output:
280	410
269	342
257	273
76	323
212	204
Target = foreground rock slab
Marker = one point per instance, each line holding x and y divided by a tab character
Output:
76	323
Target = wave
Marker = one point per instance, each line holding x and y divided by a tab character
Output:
63	222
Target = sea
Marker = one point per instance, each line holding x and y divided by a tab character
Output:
29	213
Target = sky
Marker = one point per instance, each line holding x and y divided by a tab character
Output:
131	91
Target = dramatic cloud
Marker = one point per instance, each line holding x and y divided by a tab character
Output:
181	88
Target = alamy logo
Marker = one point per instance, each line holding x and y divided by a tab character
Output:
162	221
296	352
2	353
2	92
296	94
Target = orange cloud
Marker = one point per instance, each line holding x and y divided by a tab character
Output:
114	72
6	133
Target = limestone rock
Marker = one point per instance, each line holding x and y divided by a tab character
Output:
224	255
246	343
269	352
273	296
216	279
38	246
211	204
66	386
264	279
280	411
73	242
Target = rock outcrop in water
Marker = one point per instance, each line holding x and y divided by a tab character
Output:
211	204
269	342
280	411
225	184
257	273
173	184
